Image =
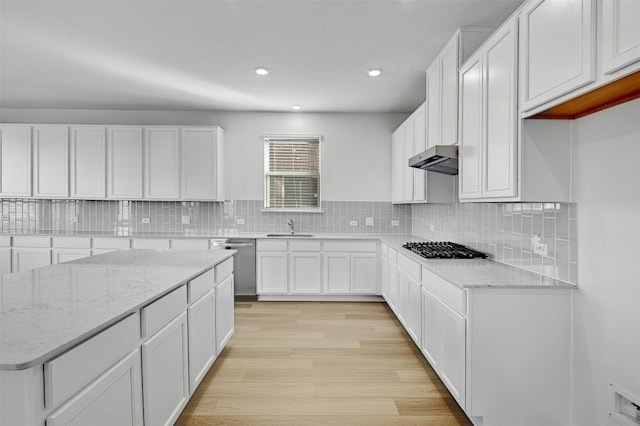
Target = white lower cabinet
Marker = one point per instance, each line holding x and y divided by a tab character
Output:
224	313
336	273
201	317
453	347
5	261
115	398
165	373
305	270
272	272
364	273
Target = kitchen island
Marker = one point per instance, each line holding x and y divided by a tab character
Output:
81	340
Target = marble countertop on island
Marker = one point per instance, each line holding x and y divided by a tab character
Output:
45	311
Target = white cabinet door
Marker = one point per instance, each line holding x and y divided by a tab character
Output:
51	161
305	273
403	297
449	97
419	118
557	49
115	398
393	286
124	163
5	261
202	162
336	274
201	317
431	314
434	103
397	165
165	373
162	163
67	255
364	273
407	192
272	272
384	278
15	161
224	313
453	355
88	162
620	34
414	317
470	150
501	140
24	259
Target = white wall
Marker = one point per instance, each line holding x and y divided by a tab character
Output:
607	304
356	155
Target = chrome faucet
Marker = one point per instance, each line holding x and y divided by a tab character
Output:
291	224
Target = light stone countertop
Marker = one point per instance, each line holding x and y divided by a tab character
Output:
45	311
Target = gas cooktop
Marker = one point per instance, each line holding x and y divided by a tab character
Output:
443	250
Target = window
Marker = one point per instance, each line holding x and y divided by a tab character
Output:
292	172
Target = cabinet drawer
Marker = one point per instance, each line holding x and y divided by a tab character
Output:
5	241
351	246
163	310
151	243
70	242
73	370
410	267
305	245
223	270
449	293
201	285
32	242
111	243
190	244
271	245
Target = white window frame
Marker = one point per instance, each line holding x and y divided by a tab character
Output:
267	138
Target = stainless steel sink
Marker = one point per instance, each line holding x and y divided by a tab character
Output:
290	235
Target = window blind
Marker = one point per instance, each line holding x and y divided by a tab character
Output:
292	173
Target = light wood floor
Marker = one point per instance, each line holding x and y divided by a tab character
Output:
311	363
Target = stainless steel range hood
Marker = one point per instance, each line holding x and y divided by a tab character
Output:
438	158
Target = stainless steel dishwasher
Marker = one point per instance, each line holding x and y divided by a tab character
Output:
244	264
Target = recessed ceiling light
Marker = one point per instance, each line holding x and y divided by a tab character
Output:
374	72
262	71
296	107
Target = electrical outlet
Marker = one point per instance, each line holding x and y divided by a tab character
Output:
369	221
5	217
395	223
239	221
353	223
74	219
146	220
186	220
538	246
432	227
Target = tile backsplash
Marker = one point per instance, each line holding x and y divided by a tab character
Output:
504	231
127	217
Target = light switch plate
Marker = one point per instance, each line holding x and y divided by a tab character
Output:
239	221
369	221
146	220
353	223
74	219
395	223
186	220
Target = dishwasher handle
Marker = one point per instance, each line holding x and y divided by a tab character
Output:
235	245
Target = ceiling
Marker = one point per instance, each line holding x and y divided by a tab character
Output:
202	54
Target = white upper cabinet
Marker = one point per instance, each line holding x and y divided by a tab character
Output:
433	104
419	118
449	63
471	111
203	163
15	161
51	161
557	49
397	165
488	121
124	166
408	153
162	163
620	34
88	162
